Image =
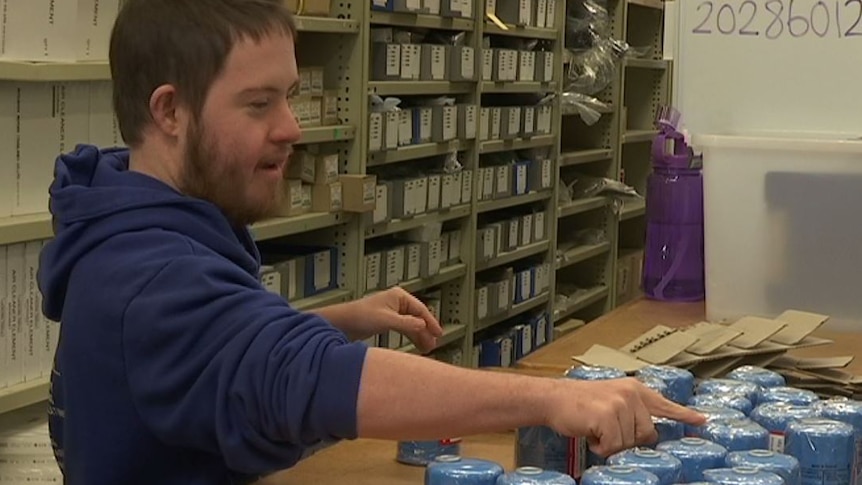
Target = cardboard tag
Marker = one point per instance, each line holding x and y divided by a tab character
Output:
601	355
799	326
710	337
810	363
714	368
663	350
755	330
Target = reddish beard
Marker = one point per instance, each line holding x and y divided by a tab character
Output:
215	175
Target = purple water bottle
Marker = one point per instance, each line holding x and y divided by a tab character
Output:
673	258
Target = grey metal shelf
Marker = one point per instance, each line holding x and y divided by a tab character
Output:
324	134
286	226
639	136
514	311
324	299
415	88
413	152
581	157
451	333
497	204
588	298
520	31
632	209
327	25
406	19
494	146
24	394
400	225
581	253
446	274
581	205
512	256
19	229
647	63
54	71
518	87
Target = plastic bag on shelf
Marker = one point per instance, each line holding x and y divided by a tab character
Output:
590	237
380	105
586	23
593	70
585	186
587	107
452	164
641	52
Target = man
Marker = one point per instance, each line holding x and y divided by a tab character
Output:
175	366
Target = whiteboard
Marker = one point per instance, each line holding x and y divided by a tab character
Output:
746	66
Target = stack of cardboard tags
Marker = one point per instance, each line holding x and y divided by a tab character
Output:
713	349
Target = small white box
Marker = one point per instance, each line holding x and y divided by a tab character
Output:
433	62
511	65
466	186
548	68
487	183
393	119
467	122
411	59
503	175
485	124
504	295
381	209
526	229
488	56
513	122
405	127
434	193
528	124
447	181
375	132
431	6
520	175
482	303
527	65
425	118
551	14
373	263
496	123
458	178
514	236
462	63
420	195
540	18
394	266
455	247
539	226
414	260
544	119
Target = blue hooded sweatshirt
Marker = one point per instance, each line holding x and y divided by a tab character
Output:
175	366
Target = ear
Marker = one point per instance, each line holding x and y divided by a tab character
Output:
166	111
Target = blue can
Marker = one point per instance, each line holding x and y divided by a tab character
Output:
729	386
421	453
785	466
764	378
663	465
454	470
594	373
680	382
696	455
850	412
733	401
668	429
742	476
542	447
825	448
529	475
737	434
775	416
711	413
618	475
790	395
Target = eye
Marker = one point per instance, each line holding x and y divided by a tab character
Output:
259	105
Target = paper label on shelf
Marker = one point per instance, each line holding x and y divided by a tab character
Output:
438	62
433	193
467	62
466	186
414	260
482	302
539	226
393	60
546	173
322	270
526	229
541	13
372	271
375	132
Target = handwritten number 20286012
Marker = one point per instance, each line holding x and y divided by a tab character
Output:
775	19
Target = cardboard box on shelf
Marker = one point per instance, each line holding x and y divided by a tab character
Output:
326	198
359	192
292	202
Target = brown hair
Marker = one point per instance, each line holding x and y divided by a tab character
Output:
184	43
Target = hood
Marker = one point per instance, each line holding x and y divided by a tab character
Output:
94	196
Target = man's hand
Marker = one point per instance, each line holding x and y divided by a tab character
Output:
392	309
613	414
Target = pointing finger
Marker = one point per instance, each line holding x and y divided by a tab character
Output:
664	408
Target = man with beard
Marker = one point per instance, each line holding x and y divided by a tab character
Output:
174	365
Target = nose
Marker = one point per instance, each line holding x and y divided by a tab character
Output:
286	129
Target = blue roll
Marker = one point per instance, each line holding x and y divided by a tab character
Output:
764	378
790	395
529	475
594	373
850	412
618	475
542	447
655	384
422	453
737	434
742	476
729	386
663	465
775	416
711	413
680	382
730	400
825	449
454	470
785	466
668	429
696	455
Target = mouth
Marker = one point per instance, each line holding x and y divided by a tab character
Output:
273	165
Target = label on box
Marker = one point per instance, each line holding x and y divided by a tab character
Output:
322	270
464	6
506	352
455	246
328	168
549	67
450	122
467	62
315	116
432	6
512	66
487	64
541	13
484	124
503	172
438	62
529	120
546	173
551	13
271	281
434	256
375	132
526	340
394	266
514	121
487	183
489	239
317	82
470	121
528	66
466	186
496	115
541	331
304	82
409	61
393	119
372	271
539	226
413	5
457	180
335	195
433	192
294	188
525	284
381	208
405	127
514	233
520	179
504	294
525	12
526	229
393	60
446	181
421	195
490	7
425	124
414	261
482	302
369	192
